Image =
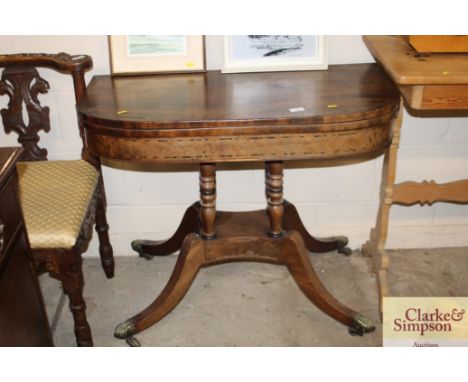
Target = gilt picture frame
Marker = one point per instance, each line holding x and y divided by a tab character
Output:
150	54
267	53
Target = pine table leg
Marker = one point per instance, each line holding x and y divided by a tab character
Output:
375	246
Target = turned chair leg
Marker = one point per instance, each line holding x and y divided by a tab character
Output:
71	275
102	229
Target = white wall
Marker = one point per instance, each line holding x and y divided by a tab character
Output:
339	200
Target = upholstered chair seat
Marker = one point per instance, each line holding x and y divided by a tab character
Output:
55	198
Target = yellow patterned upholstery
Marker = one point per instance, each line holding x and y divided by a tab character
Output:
55	197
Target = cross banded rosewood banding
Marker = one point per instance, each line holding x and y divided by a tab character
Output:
210	118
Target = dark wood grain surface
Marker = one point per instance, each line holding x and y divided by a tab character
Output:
62	62
212	117
212	99
8	155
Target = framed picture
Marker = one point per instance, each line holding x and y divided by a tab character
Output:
268	53
156	54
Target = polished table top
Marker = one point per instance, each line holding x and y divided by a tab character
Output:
342	111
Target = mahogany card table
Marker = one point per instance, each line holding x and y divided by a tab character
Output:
345	113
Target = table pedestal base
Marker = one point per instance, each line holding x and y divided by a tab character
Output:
190	224
241	236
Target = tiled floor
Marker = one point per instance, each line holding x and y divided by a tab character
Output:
250	304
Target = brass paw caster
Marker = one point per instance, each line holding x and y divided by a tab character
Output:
360	326
125	331
342	246
137	246
355	332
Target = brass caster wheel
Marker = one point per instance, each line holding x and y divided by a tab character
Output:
342	246
132	342
355	332
124	330
137	246
346	251
360	326
146	256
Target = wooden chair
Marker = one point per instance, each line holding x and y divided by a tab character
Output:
60	199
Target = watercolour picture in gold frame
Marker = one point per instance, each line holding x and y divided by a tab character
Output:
142	54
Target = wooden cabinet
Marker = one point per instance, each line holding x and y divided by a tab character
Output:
23	320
